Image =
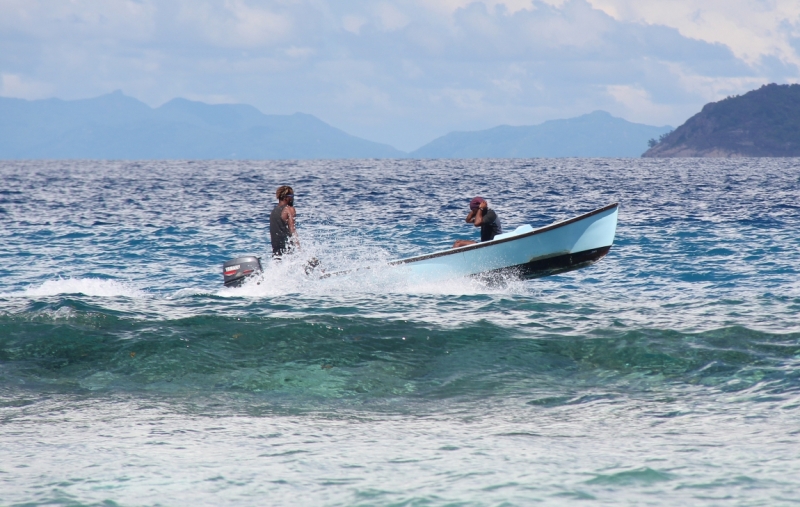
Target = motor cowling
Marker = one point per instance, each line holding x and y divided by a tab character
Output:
236	271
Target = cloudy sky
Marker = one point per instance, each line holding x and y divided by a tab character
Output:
405	71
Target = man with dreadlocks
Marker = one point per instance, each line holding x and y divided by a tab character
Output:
281	222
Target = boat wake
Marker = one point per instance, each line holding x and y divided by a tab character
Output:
289	277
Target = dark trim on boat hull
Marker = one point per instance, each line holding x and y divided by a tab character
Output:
550	265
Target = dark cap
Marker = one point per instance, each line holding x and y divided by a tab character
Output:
475	203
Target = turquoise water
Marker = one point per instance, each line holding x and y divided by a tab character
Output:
667	372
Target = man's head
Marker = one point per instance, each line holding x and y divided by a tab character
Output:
476	202
285	193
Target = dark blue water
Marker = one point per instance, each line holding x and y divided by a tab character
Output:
667	372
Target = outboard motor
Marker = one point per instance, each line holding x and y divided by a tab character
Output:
236	271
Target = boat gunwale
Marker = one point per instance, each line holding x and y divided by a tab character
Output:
534	232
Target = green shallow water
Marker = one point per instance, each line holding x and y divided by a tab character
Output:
341	357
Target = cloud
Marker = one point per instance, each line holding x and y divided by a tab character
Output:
390	17
405	71
353	24
512	6
234	23
116	20
12	85
637	102
752	29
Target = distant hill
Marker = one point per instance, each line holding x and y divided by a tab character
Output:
597	134
115	126
760	123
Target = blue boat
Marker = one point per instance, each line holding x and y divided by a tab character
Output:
525	252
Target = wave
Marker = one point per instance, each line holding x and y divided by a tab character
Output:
330	356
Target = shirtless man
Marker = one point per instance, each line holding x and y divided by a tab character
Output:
484	217
281	222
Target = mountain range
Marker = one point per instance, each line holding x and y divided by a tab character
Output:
115	126
596	134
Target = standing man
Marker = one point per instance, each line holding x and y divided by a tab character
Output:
281	222
484	217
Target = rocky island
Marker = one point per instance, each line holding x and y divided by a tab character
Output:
761	123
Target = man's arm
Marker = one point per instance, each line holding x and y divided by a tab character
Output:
486	216
480	215
471	215
288	215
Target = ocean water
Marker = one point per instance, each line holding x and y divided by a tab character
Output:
667	373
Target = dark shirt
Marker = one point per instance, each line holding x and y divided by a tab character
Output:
278	231
490	226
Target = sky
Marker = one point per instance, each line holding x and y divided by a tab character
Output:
404	72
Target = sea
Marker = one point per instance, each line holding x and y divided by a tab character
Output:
668	373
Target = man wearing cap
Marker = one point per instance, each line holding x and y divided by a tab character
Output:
480	215
281	222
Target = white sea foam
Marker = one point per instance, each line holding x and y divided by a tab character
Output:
97	287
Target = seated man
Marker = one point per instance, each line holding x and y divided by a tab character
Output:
484	217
